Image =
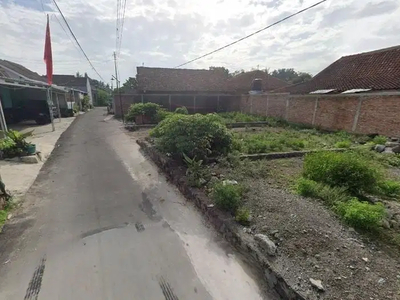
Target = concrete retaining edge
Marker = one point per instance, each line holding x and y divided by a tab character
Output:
224	223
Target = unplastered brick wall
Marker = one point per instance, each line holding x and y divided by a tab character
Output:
361	113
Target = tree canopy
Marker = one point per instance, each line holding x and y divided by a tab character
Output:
291	76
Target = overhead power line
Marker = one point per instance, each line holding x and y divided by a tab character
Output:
254	33
122	28
76	40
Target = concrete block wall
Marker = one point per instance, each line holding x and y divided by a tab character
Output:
359	113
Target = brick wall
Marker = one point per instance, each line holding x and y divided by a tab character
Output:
362	113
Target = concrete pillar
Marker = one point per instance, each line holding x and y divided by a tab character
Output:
315	110
194	103
287	109
357	114
251	104
218	103
266	108
169	102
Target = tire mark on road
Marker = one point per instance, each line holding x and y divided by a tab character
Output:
167	290
35	284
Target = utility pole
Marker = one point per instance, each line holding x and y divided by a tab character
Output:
118	87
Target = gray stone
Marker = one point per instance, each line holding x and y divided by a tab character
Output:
32	159
381	281
385	224
394	224
396	218
317	284
265	243
392	144
396	149
380	148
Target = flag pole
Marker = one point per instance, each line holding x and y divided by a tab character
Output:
50	105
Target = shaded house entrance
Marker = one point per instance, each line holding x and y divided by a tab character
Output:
23	95
200	91
79	84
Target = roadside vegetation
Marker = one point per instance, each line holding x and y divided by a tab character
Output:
355	183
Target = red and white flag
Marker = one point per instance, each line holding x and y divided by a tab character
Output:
48	56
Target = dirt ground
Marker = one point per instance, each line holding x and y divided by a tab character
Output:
312	242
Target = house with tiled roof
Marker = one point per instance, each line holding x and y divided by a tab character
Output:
168	80
242	82
377	70
78	83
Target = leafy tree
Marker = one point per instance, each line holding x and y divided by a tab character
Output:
129	85
102	98
223	69
237	72
291	76
78	74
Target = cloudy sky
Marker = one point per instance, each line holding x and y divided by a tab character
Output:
166	33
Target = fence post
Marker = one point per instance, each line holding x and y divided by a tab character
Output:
357	114
218	104
194	103
315	111
141	97
251	104
169	102
266	108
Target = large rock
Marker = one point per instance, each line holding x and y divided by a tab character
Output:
396	149
380	148
265	243
317	284
392	144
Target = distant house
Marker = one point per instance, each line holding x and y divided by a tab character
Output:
183	81
242	82
78	83
198	90
373	71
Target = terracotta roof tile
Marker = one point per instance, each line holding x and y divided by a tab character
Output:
180	80
376	70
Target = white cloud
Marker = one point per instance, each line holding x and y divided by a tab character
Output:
168	33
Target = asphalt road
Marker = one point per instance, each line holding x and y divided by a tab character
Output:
100	222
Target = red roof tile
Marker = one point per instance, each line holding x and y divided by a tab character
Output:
242	82
180	80
376	70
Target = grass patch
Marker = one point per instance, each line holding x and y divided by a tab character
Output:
313	189
379	140
242	216
390	188
361	215
289	139
347	170
3	217
227	196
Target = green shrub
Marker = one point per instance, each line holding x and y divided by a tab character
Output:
85	103
148	109
162	114
379	140
227	196
182	110
390	188
343	144
242	216
196	172
361	215
75	108
14	144
312	189
196	135
347	170
233	117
